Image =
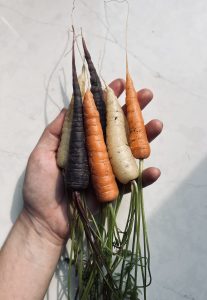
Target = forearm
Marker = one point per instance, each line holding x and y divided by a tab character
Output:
27	261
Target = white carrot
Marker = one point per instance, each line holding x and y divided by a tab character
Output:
62	154
123	163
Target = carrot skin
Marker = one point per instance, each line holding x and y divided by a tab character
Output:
137	133
62	154
123	163
102	176
77	170
96	88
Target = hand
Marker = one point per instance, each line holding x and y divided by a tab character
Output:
43	191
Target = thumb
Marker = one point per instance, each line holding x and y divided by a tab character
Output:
51	135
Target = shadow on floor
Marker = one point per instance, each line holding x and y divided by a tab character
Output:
178	242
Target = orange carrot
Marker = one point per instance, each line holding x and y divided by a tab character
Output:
103	179
138	141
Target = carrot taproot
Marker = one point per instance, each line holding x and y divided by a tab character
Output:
120	155
62	154
139	261
77	170
103	179
96	88
137	133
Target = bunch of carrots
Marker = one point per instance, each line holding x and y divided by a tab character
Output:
98	149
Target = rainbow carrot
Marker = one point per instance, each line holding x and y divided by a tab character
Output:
121	158
137	133
103	179
62	154
77	170
96	88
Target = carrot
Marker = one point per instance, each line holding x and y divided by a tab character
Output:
96	88
62	154
137	134
140	149
103	179
77	170
121	158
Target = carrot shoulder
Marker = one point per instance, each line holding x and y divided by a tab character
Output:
137	133
102	176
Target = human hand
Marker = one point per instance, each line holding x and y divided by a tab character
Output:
43	191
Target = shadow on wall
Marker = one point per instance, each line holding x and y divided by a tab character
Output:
17	203
177	233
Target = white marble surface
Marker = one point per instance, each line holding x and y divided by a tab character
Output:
167	53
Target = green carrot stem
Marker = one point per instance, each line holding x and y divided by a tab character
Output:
139	181
80	262
114	227
148	254
119	199
95	246
134	238
142	267
88	286
110	229
102	217
128	233
137	220
145	236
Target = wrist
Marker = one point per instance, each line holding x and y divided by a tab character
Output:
28	260
40	229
